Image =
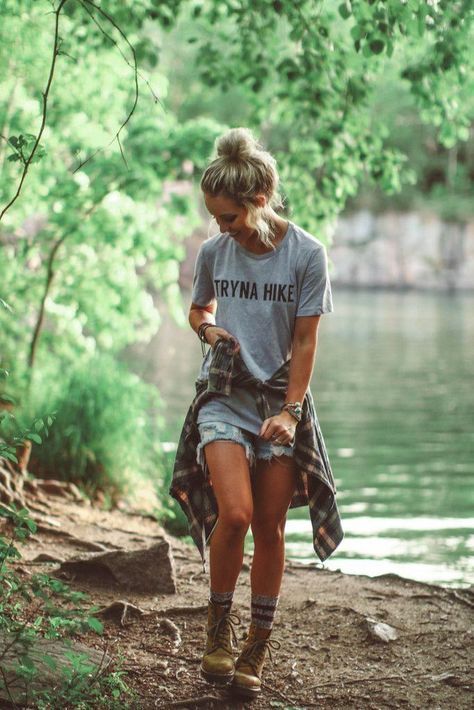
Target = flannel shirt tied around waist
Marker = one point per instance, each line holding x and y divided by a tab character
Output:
191	485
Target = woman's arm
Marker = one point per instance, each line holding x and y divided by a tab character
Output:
206	314
305	338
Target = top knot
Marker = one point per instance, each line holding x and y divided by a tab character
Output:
237	144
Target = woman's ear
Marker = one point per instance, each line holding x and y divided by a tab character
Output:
260	200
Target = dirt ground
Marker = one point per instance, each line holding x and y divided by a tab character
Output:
327	660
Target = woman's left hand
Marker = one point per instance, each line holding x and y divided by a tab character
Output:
279	429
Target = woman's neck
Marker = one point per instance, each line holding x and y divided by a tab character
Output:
253	244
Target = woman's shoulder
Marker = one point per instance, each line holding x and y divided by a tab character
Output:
306	243
210	245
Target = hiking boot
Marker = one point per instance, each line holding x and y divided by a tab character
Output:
249	664
218	664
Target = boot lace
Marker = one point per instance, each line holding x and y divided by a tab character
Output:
219	630
254	653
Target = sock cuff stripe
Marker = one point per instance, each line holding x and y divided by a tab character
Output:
262	599
263	606
224	596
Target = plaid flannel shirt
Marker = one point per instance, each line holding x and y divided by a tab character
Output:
191	485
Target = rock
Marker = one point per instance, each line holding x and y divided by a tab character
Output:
120	611
379	631
403	250
150	570
11	484
64	489
46	557
48	673
170	629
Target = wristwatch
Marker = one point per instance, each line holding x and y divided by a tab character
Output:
294	408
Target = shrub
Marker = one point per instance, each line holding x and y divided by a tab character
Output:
106	428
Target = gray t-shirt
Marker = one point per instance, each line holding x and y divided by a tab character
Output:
258	298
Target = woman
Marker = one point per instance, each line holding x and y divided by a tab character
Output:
251	446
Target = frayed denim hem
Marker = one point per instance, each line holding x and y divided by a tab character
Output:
274	452
255	447
220	431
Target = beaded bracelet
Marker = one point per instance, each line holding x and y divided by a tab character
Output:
201	331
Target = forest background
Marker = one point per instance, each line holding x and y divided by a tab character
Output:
108	114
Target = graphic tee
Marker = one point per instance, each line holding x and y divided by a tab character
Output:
259	296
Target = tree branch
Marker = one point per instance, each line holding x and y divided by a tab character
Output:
45	105
49	279
110	19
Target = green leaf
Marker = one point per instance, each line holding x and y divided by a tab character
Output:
95	624
50	662
345	10
31	525
377	46
34	437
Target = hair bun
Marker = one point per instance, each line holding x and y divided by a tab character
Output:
237	144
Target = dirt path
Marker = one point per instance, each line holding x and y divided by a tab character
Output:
328	659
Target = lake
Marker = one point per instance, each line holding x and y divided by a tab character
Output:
393	386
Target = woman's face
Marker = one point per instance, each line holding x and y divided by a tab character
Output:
230	216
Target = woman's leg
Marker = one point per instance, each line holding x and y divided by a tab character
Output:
230	477
273	485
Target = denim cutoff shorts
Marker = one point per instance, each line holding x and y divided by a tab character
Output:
255	447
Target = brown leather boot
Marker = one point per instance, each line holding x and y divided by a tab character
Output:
249	664
218	664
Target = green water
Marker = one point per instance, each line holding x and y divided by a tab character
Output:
393	386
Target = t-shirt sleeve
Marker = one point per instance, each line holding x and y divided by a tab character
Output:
315	296
203	288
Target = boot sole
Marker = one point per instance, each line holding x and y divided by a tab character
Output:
218	678
245	691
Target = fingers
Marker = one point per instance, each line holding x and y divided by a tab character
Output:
215	333
277	433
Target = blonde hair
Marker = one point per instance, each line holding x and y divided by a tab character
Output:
242	170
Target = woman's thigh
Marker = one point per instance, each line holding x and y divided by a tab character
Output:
273	485
230	477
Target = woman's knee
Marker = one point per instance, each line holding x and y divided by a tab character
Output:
236	521
268	532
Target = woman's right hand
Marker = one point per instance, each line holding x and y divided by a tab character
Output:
214	333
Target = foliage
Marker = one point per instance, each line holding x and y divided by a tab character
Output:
58	612
12	435
313	67
444	176
106	428
103	223
171	516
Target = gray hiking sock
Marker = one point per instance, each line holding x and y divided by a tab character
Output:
224	599
263	610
